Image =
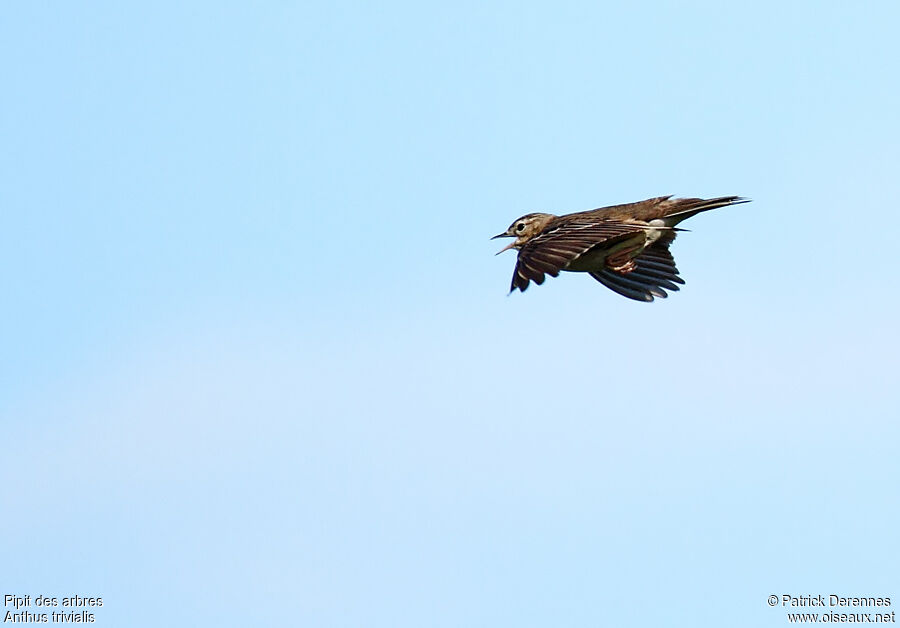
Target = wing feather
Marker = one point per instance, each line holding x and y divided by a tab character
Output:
654	273
559	245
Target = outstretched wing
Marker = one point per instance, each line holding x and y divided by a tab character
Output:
559	245
654	272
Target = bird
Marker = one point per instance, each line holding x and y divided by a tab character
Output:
624	247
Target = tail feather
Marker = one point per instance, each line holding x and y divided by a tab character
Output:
684	208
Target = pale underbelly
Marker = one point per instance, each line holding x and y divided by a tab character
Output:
595	259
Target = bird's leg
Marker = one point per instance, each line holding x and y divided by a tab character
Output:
623	261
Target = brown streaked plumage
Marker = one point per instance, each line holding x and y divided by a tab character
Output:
624	247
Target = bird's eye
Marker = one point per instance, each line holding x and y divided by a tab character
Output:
520	227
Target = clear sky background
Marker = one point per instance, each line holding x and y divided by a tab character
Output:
259	364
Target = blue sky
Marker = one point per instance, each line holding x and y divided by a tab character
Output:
260	365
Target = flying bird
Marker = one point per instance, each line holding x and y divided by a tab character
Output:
624	247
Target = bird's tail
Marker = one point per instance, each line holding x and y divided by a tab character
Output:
684	208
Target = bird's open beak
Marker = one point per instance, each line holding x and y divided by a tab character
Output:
508	246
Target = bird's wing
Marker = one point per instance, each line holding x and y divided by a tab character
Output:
559	245
653	273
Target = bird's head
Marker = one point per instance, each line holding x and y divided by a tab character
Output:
523	229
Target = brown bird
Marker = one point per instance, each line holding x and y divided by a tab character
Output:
624	247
